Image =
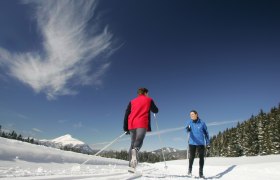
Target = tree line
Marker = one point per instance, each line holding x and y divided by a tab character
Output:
143	156
259	135
14	135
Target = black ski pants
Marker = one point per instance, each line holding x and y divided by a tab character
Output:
201	150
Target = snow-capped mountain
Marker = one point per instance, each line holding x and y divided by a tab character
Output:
67	142
171	153
166	150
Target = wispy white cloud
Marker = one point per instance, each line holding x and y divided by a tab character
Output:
72	42
218	123
37	130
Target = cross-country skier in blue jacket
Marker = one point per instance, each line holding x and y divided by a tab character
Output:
198	139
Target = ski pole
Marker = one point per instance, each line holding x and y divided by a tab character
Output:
105	147
188	145
160	141
205	149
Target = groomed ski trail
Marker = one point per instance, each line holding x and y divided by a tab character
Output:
86	173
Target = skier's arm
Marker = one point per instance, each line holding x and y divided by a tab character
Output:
153	107
127	112
206	134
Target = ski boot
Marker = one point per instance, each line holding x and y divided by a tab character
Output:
190	172
133	163
201	174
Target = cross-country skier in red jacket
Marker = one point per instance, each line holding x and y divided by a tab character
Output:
137	122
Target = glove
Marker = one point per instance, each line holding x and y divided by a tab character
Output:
188	128
208	147
127	132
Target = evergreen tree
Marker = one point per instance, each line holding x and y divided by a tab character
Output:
239	137
261	133
122	155
214	149
20	138
273	132
27	140
246	143
233	146
254	150
13	135
4	135
224	143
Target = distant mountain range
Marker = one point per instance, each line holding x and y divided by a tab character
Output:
67	142
171	153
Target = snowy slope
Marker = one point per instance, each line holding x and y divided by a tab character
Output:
19	160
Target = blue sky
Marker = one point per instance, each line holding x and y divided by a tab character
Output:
73	66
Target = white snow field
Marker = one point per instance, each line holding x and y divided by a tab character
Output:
19	160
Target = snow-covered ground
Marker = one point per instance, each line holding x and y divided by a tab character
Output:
19	160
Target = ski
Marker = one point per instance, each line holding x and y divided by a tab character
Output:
195	177
131	170
135	175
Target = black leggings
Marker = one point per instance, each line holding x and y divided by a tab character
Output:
137	138
200	149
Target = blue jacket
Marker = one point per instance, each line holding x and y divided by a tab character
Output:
198	133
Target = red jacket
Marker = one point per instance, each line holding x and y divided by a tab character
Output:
138	113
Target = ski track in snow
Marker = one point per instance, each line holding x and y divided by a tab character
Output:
22	170
23	161
71	171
